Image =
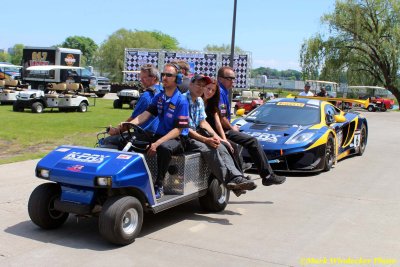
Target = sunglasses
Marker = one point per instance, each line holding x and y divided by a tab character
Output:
229	78
167	74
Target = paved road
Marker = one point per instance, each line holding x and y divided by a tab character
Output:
350	213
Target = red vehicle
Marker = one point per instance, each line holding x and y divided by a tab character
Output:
376	96
379	103
248	104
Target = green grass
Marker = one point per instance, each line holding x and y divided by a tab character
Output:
27	135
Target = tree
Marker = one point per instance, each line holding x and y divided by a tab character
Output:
223	48
110	57
85	44
363	43
4	57
16	58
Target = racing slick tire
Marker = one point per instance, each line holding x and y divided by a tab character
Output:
216	198
41	206
121	219
37	107
329	157
117	103
82	107
363	140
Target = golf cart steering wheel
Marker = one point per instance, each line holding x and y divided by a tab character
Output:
137	145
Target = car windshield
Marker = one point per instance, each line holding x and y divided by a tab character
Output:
276	113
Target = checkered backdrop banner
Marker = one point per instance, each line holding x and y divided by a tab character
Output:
134	59
199	63
240	66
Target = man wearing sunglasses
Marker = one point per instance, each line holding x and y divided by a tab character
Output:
226	77
172	110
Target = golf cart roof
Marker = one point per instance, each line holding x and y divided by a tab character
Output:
366	87
324	82
131	71
5	65
53	67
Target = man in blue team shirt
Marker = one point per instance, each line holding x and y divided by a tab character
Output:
226	76
172	110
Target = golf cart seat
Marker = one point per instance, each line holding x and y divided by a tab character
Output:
57	86
73	86
51	95
11	83
2	83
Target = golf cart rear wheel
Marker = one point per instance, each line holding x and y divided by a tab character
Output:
17	107
82	107
37	107
117	103
371	108
216	198
121	220
41	206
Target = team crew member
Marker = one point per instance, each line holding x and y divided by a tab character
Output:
172	110
214	153
226	76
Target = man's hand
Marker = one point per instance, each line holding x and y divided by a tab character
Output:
153	149
212	142
228	145
113	130
235	128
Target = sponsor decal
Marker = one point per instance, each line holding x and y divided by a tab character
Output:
171	106
265	137
86	157
75	168
70	60
169	115
123	156
63	149
292	104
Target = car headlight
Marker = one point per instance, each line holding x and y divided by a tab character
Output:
104	181
300	138
43	173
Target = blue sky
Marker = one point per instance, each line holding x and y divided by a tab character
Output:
271	30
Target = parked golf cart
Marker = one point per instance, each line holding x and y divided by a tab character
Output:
117	186
126	96
63	96
9	83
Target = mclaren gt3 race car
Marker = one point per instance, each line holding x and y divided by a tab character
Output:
299	134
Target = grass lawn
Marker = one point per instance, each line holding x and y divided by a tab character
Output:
27	135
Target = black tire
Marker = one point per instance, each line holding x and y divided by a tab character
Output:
41	206
371	108
121	220
100	95
37	107
329	158
363	140
82	107
217	197
17	107
132	104
117	103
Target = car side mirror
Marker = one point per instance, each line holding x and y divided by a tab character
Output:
339	118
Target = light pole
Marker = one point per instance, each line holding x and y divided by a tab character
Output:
232	44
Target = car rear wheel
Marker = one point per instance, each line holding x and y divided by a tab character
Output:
217	197
363	140
329	153
121	220
41	206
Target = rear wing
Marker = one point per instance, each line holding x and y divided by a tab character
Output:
362	102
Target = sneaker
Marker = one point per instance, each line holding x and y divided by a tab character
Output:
159	191
241	183
238	193
246	166
273	179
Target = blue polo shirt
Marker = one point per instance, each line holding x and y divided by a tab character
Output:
172	112
141	106
224	104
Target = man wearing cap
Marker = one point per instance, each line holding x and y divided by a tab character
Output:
214	153
226	77
306	91
323	92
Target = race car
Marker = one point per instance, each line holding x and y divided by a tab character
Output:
300	134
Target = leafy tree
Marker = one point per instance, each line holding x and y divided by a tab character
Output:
110	57
4	57
16	58
85	44
223	48
362	44
276	74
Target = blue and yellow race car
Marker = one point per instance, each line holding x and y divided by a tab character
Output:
300	134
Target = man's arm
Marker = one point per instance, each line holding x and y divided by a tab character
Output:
174	133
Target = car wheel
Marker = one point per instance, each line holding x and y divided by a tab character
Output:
371	108
117	103
216	198
37	107
41	206
121	220
17	107
329	153
363	140
82	107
